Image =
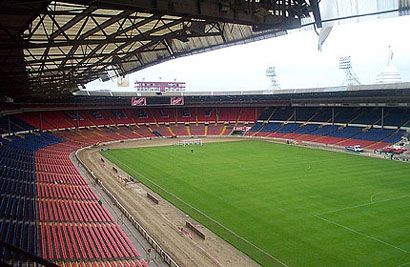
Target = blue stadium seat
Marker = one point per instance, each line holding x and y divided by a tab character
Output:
266	113
304	114
368	116
18	220
307	129
396	117
256	127
395	137
374	134
344	115
324	115
326	130
289	128
271	127
282	114
348	132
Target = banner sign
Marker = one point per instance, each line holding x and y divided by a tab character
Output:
138	101
240	128
177	101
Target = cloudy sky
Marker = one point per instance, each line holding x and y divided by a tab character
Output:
298	62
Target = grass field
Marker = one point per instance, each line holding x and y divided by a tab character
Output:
285	205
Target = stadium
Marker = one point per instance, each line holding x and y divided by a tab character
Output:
308	177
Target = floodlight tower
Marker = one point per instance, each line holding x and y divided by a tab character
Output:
346	65
271	74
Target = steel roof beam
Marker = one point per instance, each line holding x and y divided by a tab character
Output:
238	11
133	40
112	41
77	18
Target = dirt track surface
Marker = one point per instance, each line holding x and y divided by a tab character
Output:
161	221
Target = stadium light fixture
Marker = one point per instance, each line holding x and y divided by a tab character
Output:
346	65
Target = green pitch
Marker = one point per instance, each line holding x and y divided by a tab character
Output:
285	205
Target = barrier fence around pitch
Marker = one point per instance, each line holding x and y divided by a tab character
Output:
164	255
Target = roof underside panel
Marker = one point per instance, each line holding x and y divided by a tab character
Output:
69	44
54	47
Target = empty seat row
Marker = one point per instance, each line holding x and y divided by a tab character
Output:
59	178
67	241
69	210
64	191
72	211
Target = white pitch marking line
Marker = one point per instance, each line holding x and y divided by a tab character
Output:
403	264
229	230
367	236
382	193
362	205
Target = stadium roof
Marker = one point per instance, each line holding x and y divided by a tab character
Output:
48	49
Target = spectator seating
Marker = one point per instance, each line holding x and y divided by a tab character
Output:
140	115
271	127
162	130
179	129
228	114
310	119
206	115
197	130
249	114
323	115
374	134
144	131
307	129
368	116
395	137
305	114
266	114
99	117
215	129
397	117
73	223
347	132
255	128
121	117
283	114
18	220
163	115
15	124
186	114
47	207
91	118
77	119
346	115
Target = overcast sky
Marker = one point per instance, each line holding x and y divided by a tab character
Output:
298	62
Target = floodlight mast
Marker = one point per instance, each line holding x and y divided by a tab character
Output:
350	77
271	74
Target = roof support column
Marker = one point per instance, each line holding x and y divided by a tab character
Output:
8	124
41	121
77	120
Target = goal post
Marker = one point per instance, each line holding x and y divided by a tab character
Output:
188	142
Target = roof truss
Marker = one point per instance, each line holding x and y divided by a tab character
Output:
70	43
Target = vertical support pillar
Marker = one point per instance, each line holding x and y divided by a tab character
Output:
77	120
295	114
333	116
41	122
8	124
382	118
